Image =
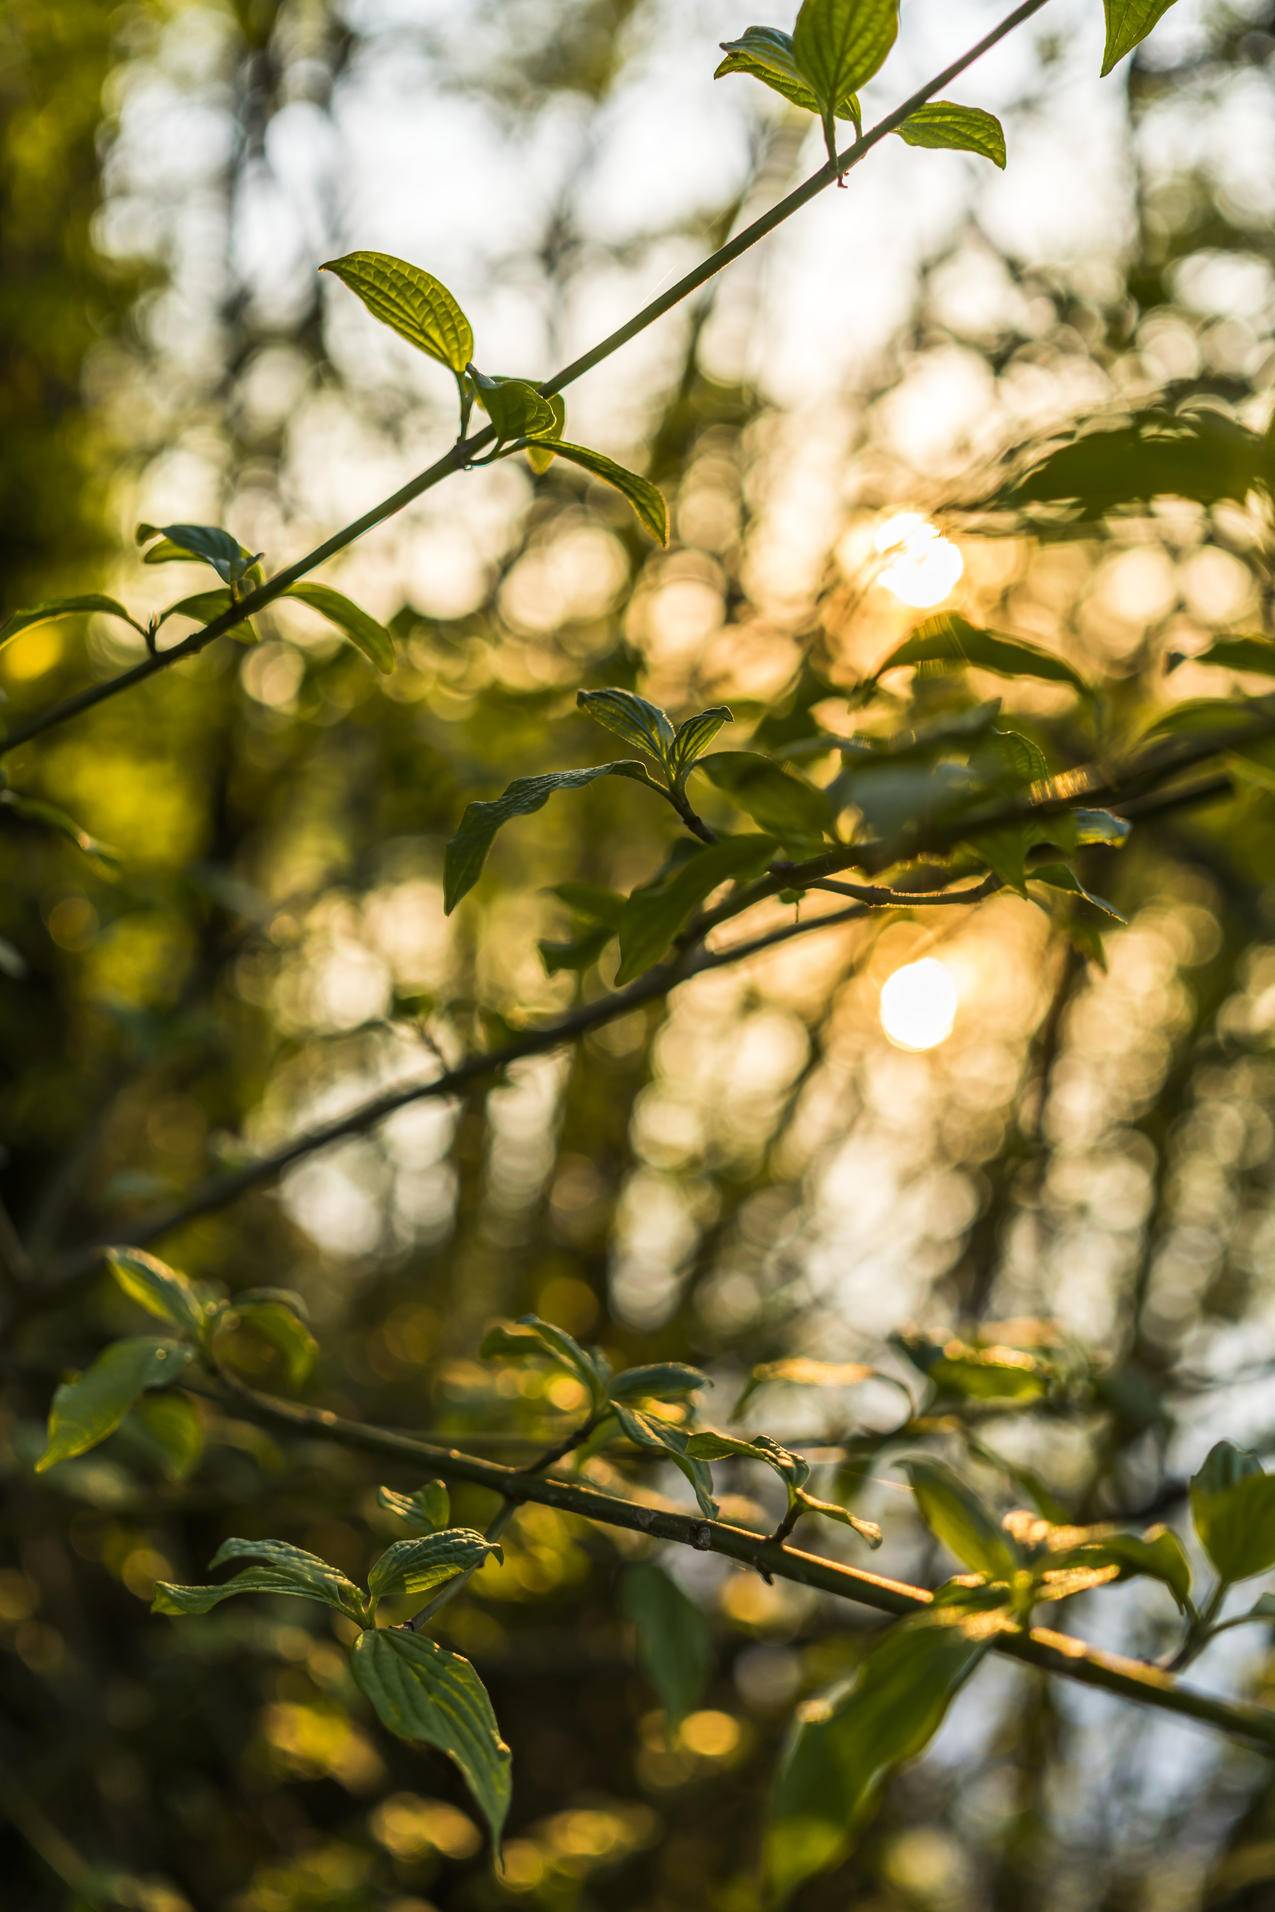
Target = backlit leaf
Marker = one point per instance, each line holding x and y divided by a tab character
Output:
1233	1507
529	1335
646	499
659	1381
279	1324
516	408
415	304
951	639
693	736
540	457
958	1518
634	718
1254	654
425	1511
207	543
428	1695
779	801
159	1289
1128	22
967	129
766	54
840	44
648	1430
363	631
285	1569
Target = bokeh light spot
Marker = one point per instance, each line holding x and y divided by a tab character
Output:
918	1004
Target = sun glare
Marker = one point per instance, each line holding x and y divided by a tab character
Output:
921	567
918	1004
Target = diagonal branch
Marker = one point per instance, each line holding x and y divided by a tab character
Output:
466	450
1040	1647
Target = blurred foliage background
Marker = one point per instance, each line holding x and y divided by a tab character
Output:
753	1169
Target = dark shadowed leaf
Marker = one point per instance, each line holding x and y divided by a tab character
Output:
467	851
779	801
18	621
159	1289
654	915
660	1381
530	1336
674	1639
956	1516
427	1561
950	639
284	1569
207	543
1233	1507
694	735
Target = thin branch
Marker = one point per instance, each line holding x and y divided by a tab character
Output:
1040	1647
463	453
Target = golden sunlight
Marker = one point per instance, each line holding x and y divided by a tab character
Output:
918	1004
921	567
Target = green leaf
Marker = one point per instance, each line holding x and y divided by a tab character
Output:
413	303
577	952
839	44
467	851
172	1427
540	457
47	816
694	735
1202	455
801	1371
515	407
366	635
713	1444
158	1288
631	717
203	607
779	801
287	1569
654	915
766	54
844	1744
674	1639
648	1430
429	1560
279	1324
529	1335
1254	654
428	1695
1155	1555
1128	22
18	621
1233	1507
959	1519
966	129
989	1373
660	1381
950	639
646	499
86	1410
207	543
428	1509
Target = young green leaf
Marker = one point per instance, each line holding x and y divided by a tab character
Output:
646	499
87	1409
427	1561
540	457
845	1743
412	302
425	1511
959	1519
779	801
830	1510
366	635
989	1373
654	915
1128	22
661	1381
1058	876
674	1639
1233	1507
515	407
648	1430
159	1289
467	851
766	54
205	543
1155	1555
838	46
18	621
950	639
287	1569
631	717
966	129
529	1335
426	1694
692	738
